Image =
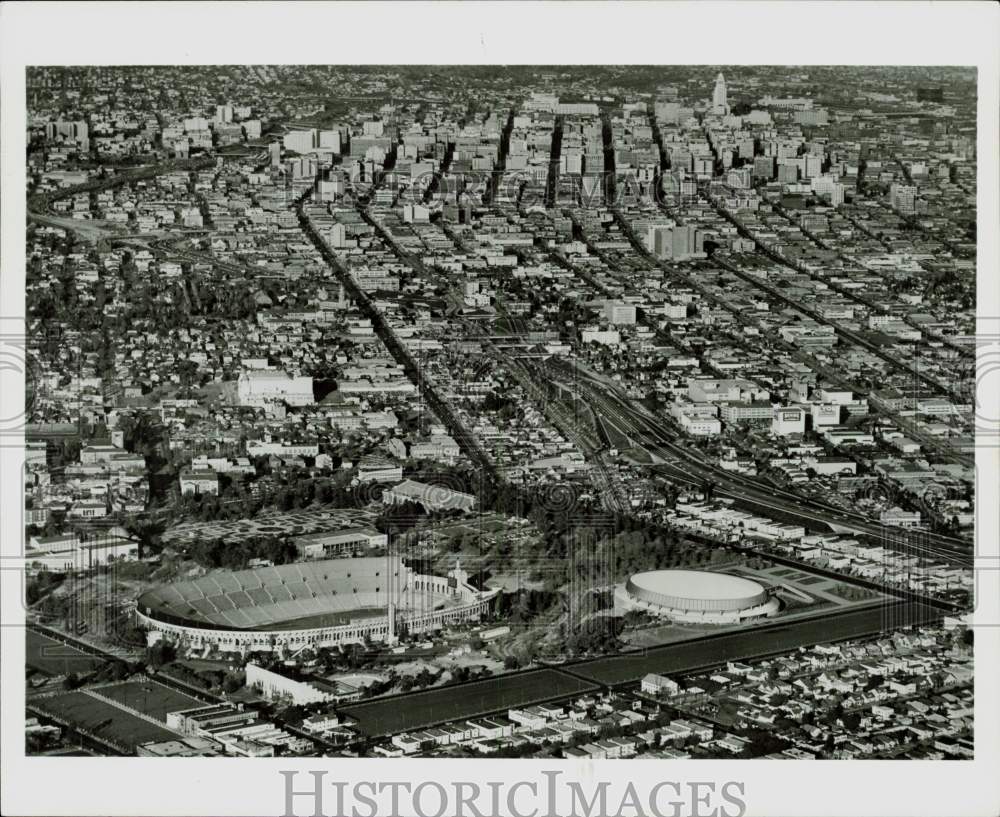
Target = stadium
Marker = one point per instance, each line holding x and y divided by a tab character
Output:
696	596
315	603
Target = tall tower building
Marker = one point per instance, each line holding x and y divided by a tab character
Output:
720	104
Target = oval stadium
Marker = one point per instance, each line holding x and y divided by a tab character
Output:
314	603
696	596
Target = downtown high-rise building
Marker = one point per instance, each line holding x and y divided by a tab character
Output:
720	100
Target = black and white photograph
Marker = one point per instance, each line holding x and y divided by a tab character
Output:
389	415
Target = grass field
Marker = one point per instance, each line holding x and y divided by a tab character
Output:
55	658
102	719
325	619
422	709
808	580
149	697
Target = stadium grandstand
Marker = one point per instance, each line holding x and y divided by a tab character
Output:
315	603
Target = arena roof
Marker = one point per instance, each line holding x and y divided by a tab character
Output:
696	590
696	584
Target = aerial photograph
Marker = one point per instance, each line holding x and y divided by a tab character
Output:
560	412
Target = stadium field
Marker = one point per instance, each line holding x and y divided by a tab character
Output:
325	619
149	697
421	709
56	658
102	719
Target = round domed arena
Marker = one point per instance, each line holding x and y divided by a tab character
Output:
696	596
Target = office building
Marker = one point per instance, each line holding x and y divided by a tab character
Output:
619	313
763	167
677	243
69	130
720	102
330	140
903	197
788	420
195	123
302	141
812	166
256	388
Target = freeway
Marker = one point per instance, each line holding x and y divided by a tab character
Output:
170	249
93	230
757	642
955	550
426	708
420	710
90	230
399	713
39	202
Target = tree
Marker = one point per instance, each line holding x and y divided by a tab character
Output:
294	714
763	742
162	652
231	683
